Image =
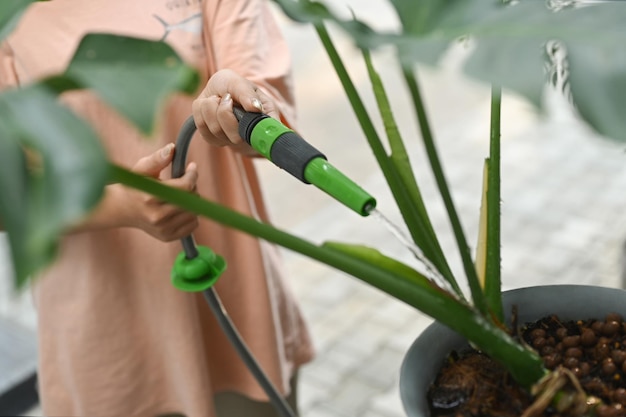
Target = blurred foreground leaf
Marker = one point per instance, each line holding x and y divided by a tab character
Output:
10	13
509	46
52	171
132	75
52	166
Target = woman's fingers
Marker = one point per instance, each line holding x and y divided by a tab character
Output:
205	116
213	109
188	181
153	164
227	121
159	219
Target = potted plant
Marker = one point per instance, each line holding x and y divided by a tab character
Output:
504	34
508	53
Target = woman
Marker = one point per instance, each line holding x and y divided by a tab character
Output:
116	339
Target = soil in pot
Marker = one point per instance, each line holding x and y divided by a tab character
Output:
472	385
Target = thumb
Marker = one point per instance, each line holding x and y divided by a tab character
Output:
153	164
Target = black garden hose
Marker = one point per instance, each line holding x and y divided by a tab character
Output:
191	251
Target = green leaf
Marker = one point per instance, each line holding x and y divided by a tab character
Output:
53	172
493	63
598	86
426	16
133	75
305	11
317	13
509	46
10	13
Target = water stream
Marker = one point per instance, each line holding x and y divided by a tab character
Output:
431	271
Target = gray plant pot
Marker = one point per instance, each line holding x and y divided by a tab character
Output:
428	352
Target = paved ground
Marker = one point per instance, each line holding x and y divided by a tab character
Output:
563	205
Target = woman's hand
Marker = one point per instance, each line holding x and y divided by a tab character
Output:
162	220
213	109
127	207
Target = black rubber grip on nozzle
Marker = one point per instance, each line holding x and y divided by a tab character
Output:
247	122
292	153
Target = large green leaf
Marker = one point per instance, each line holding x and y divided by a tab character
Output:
510	40
431	16
133	75
10	13
509	46
52	171
510	51
598	85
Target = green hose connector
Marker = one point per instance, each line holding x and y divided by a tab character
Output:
289	151
265	134
199	273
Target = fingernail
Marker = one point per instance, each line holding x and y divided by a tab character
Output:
192	166
226	98
257	103
165	152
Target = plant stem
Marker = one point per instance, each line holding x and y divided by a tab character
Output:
431	150
525	366
417	224
493	268
401	163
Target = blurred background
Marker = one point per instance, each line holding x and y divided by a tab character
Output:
563	221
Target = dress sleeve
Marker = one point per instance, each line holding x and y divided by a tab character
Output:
8	75
244	36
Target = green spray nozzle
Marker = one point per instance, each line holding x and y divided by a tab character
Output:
289	151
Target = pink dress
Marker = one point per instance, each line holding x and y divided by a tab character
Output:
115	338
